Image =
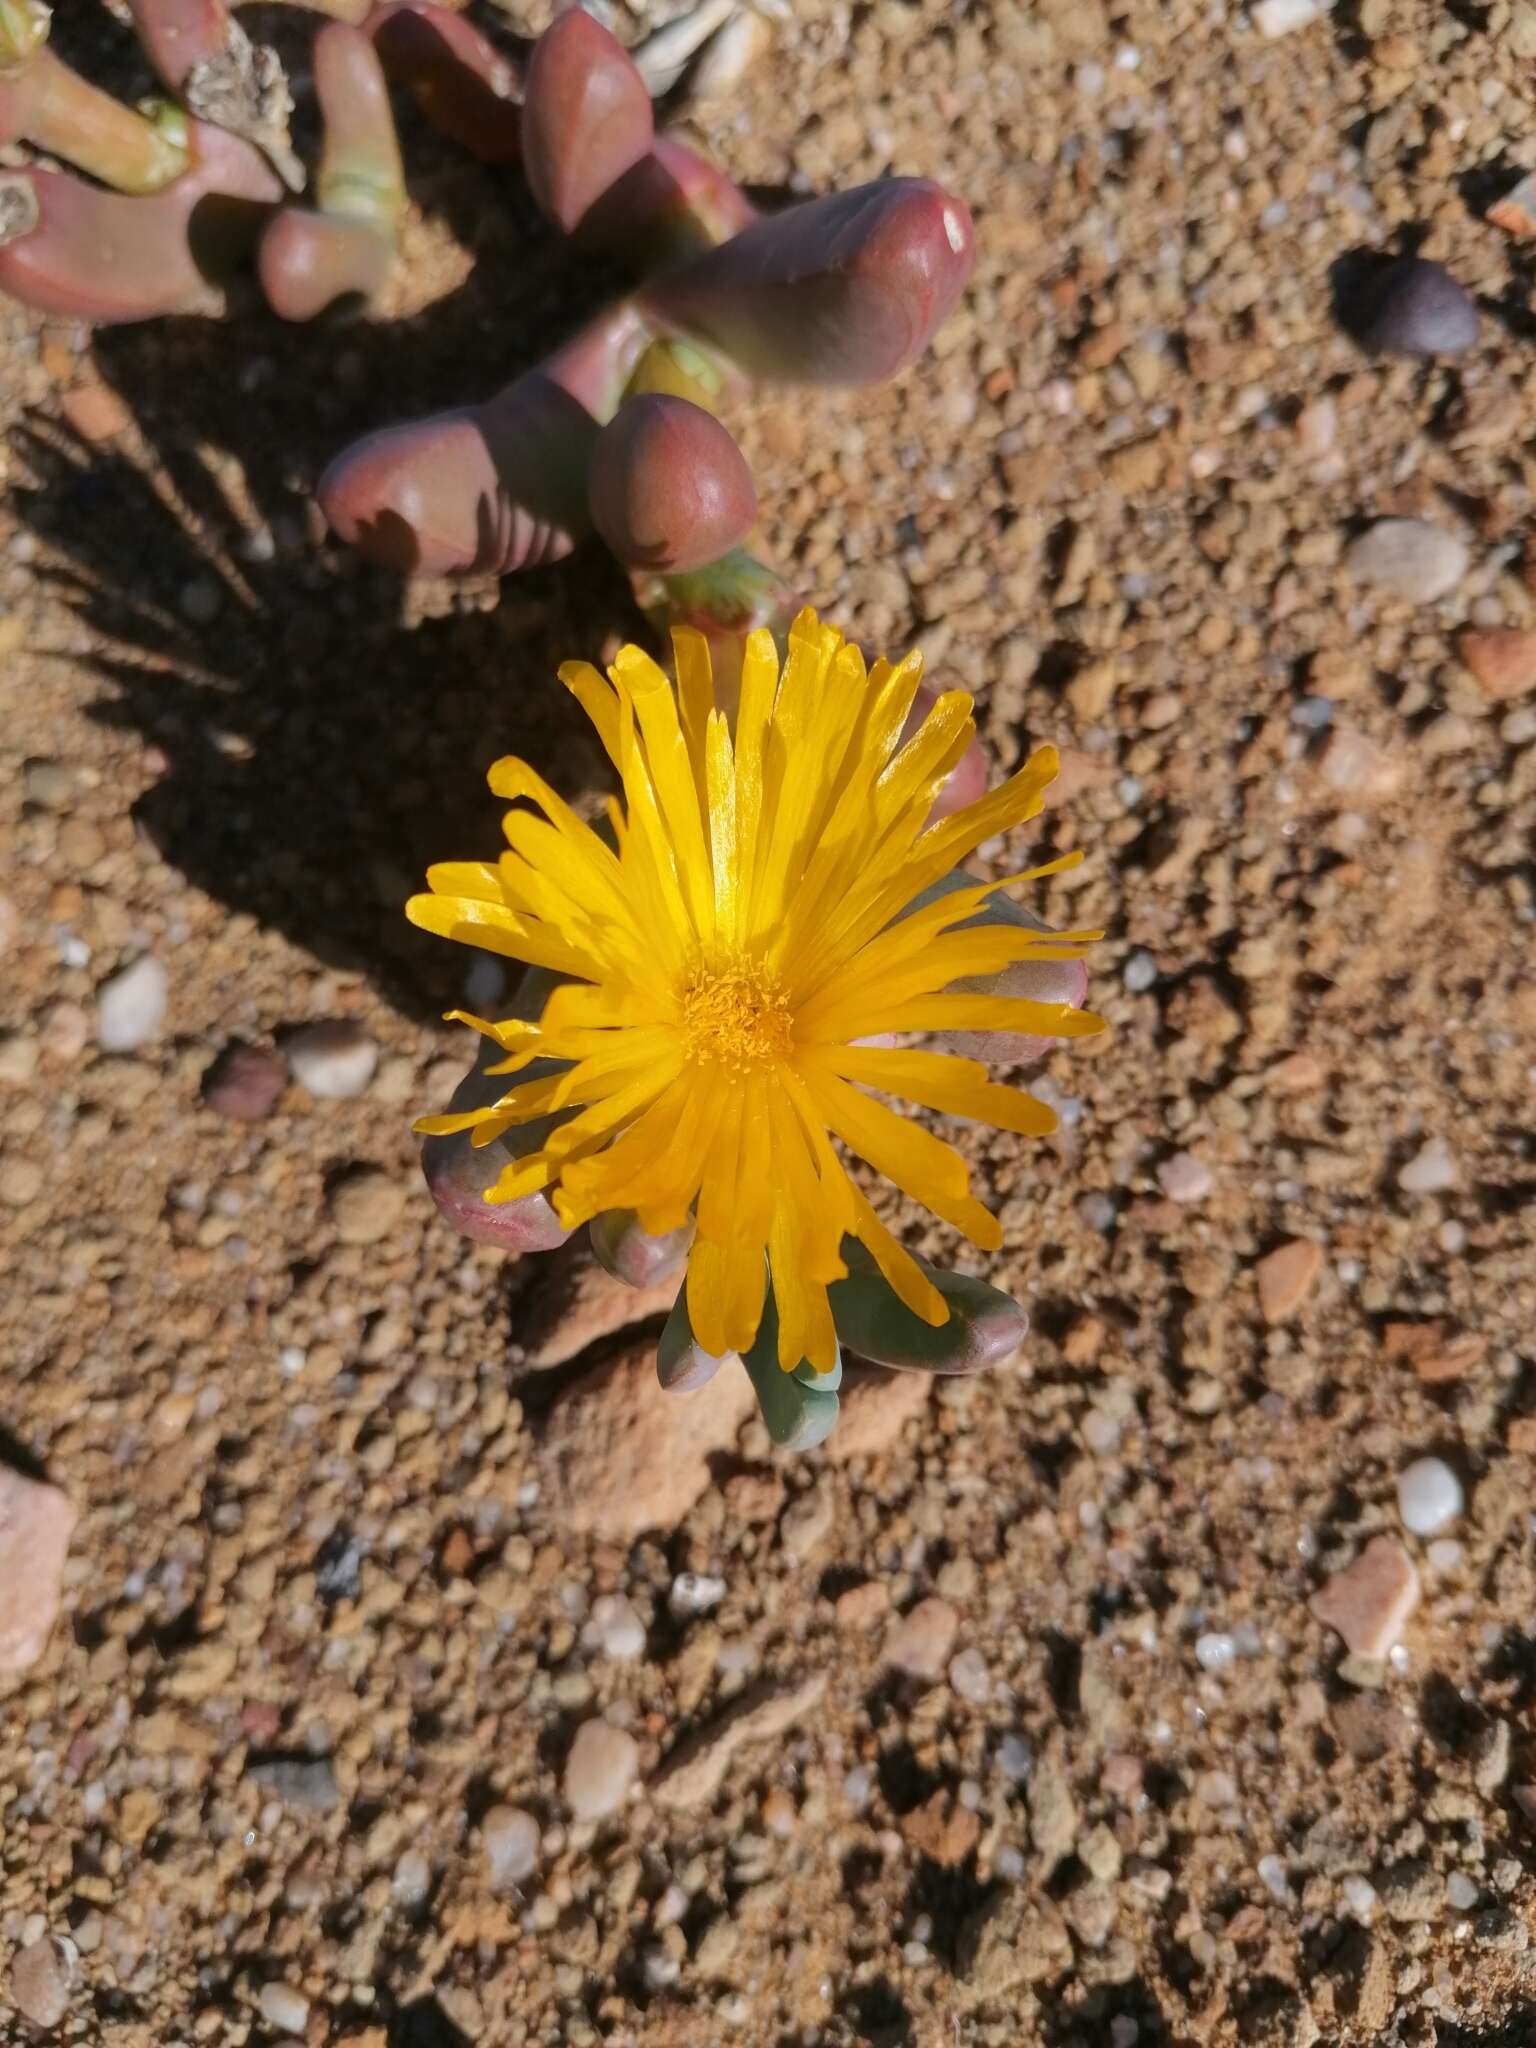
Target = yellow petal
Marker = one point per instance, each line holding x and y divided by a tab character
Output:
901	1272
920	1164
937	1080
726	1288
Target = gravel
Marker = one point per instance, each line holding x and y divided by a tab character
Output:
1431	1171
1429	1496
333	1059
41	1979
918	1644
1409	558
1414	308
130	1008
245	1083
284	2008
601	1770
511	1837
1339	918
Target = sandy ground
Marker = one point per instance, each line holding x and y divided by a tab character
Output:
373	1528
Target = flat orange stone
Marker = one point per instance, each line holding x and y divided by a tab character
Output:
1437	1352
1369	1602
1502	660
1287	1276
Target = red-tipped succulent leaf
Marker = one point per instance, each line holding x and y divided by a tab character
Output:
459	79
78	252
44	102
670	490
843	290
489	488
309	262
670	204
587	118
220	75
343	248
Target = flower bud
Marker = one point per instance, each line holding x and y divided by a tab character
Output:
633	1255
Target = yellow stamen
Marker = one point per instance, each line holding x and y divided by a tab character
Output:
736	1015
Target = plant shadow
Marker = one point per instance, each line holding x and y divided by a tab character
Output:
316	740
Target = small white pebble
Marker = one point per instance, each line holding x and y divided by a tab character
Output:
857	1786
660	1968
333	1059
1275	18
1429	1496
615	1629
1359	1895
511	1839
1430	1171
695	1593
671	1906
1273	1878
1460	1891
1184	1178
1096	1210
1015	1758
284	2008
131	1006
1139	972
1444	1555
1214	1651
969	1676
1101	1433
412	1880
1009	1863
1313	714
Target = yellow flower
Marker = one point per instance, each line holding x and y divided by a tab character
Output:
749	926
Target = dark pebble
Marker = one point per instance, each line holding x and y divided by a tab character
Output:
1413	308
338	1567
307	1781
245	1082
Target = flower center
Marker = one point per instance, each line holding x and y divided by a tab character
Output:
735	1015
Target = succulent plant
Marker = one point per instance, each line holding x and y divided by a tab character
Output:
617	433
